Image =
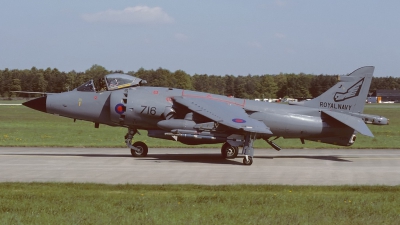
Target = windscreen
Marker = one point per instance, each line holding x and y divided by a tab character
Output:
88	87
118	81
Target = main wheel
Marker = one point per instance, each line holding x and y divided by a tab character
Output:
249	161
142	149
228	151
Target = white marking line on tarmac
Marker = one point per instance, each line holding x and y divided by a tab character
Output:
149	157
370	158
47	156
330	154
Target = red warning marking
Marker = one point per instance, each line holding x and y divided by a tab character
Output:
219	99
169	99
95	97
155	92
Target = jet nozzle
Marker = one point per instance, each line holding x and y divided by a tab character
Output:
37	104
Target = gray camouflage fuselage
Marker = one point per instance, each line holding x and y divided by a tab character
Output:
145	108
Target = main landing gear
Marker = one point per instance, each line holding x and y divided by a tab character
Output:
138	149
230	152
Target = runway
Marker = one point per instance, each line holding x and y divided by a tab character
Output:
200	166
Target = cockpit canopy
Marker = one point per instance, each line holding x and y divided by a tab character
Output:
111	82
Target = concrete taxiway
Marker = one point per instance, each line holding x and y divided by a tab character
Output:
201	166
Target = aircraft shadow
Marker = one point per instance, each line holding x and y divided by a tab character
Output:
200	158
216	158
325	157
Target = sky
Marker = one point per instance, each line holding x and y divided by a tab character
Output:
203	37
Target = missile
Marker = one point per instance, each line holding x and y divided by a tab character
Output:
372	119
176	124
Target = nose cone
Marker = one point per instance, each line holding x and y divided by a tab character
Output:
37	104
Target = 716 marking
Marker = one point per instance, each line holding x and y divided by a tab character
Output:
148	110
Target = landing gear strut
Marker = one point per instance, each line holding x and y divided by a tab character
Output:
138	149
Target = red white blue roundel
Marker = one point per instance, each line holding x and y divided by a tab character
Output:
237	120
120	108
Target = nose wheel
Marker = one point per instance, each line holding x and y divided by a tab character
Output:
140	149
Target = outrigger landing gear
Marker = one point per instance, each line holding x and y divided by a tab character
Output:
138	149
247	160
248	150
228	151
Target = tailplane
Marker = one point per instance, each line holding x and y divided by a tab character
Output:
349	94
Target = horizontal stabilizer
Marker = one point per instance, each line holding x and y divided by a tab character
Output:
351	121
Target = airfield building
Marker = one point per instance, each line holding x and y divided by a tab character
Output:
384	96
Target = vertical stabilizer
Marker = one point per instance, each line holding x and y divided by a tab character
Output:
348	95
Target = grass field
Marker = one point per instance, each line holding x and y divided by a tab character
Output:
21	126
67	203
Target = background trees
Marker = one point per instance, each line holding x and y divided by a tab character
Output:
250	86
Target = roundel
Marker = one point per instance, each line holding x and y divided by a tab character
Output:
237	120
120	108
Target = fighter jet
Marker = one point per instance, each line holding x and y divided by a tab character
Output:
192	118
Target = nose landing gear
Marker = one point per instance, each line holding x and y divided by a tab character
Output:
138	149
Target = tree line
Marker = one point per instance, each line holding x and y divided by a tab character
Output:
282	85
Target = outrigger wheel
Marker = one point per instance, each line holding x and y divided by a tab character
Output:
247	160
228	151
141	150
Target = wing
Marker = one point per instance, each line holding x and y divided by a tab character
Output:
34	92
227	114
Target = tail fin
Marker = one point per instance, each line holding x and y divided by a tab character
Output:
349	94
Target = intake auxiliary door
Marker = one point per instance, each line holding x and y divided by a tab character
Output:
118	102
